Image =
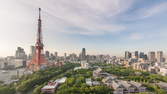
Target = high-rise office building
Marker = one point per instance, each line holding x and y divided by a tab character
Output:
56	54
52	56
32	50
141	55
151	56
145	57
65	55
47	54
160	56
83	54
73	57
128	55
136	54
20	53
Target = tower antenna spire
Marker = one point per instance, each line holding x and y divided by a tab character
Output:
39	13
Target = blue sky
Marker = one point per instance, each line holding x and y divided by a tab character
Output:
101	26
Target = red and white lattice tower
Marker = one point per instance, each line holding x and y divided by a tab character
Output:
38	60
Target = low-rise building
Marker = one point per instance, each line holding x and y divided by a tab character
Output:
19	63
51	86
59	64
61	81
96	73
91	83
139	86
125	87
162	85
84	65
163	71
108	81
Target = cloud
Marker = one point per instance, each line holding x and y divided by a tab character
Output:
155	34
147	12
84	16
144	11
153	10
136	36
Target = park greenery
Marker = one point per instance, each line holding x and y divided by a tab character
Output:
7	89
129	74
75	84
32	83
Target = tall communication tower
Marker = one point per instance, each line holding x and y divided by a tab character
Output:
38	60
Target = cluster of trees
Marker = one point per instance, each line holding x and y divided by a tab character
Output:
76	84
7	89
151	78
154	88
135	75
34	82
119	70
129	74
85	90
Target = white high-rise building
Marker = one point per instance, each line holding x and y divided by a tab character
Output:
160	56
32	50
151	56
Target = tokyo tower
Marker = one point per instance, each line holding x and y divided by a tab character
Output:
38	60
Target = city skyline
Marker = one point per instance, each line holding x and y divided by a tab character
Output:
102	27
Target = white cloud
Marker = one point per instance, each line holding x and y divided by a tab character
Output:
88	16
144	12
156	34
153	10
150	11
136	36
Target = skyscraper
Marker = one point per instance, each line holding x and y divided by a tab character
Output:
65	55
32	50
56	54
47	54
136	54
127	55
83	54
141	55
151	56
160	56
20	53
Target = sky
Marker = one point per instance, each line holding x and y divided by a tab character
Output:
101	26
